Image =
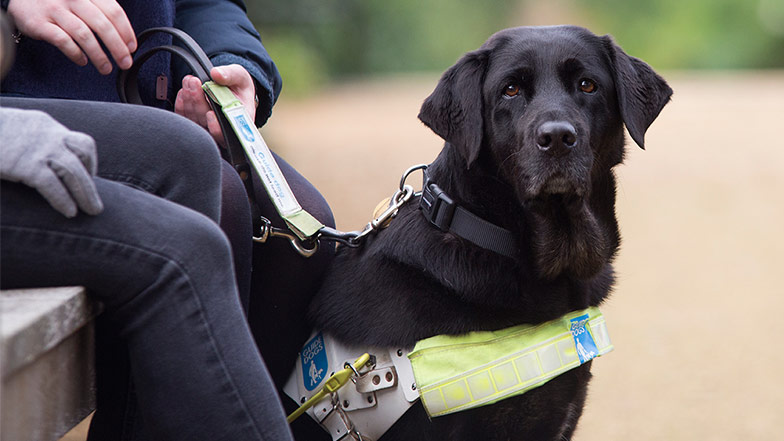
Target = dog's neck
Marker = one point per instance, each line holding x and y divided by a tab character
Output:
563	233
487	196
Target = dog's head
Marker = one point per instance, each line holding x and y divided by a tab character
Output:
546	106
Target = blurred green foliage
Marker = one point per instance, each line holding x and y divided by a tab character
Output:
697	34
314	41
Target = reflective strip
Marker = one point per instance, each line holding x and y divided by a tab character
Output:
463	372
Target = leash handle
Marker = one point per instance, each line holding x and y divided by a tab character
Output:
242	138
333	383
302	223
200	65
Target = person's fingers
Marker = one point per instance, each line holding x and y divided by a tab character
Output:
81	33
97	21
53	190
78	28
179	103
61	40
78	182
213	126
236	78
187	105
191	102
115	13
83	146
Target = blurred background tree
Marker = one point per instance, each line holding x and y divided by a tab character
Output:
316	41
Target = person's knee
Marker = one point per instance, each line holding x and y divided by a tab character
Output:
197	241
178	140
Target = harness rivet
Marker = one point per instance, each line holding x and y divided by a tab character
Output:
413	386
390	377
302	401
376	380
345	404
399	352
370	400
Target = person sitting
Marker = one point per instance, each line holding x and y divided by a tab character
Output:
175	357
73	49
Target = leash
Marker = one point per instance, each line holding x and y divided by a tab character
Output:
244	142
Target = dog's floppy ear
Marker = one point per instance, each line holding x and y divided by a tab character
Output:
454	109
642	93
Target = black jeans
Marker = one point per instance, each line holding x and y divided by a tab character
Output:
172	328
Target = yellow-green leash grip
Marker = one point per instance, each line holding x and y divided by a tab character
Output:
301	223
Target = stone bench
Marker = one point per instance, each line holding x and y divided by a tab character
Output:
47	352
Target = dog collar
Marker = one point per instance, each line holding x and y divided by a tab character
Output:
444	213
448	373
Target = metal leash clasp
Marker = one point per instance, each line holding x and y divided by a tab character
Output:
351	239
267	230
404	194
382	221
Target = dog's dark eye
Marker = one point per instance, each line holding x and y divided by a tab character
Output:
587	86
511	90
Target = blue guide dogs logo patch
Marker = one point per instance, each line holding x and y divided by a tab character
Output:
586	347
314	362
247	132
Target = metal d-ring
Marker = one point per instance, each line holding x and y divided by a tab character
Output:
410	170
348	365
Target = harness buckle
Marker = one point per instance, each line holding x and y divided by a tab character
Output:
437	207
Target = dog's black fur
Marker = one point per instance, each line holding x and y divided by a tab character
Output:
538	163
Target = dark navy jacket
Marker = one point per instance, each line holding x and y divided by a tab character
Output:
221	27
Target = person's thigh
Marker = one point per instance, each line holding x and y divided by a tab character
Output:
114	254
154	150
165	276
283	282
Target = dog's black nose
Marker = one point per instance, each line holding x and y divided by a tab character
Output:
556	137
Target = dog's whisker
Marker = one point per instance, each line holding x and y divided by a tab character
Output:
503	163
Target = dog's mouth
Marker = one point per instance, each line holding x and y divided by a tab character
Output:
558	184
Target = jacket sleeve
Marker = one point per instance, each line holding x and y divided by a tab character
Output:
223	30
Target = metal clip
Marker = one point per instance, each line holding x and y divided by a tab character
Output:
267	230
352	239
411	169
382	221
401	197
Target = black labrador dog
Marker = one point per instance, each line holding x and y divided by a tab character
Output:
534	124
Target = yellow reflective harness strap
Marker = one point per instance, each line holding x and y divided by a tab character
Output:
299	221
455	373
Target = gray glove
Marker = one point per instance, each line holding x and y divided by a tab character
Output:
42	153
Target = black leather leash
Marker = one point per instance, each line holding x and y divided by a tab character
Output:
436	205
200	65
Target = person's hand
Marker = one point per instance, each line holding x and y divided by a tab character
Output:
73	25
191	101
41	153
